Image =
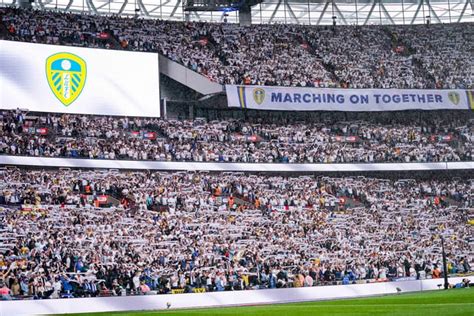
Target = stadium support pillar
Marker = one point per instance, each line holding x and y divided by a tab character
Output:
25	4
445	265
191	112
165	110
245	15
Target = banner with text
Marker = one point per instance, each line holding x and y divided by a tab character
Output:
317	99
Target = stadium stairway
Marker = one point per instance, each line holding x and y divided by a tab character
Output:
418	69
217	50
330	68
113	40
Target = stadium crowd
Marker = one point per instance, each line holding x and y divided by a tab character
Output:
327	139
78	233
420	56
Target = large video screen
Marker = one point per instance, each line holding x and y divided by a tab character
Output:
64	79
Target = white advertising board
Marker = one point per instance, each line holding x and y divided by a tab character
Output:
214	299
64	79
229	166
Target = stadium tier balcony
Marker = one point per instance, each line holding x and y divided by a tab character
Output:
408	138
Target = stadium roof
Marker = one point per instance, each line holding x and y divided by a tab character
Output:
314	12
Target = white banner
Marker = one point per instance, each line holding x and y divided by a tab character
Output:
217	299
63	79
230	166
316	99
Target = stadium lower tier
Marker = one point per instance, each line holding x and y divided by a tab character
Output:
82	233
324	137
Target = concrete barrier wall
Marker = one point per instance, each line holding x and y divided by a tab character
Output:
210	166
215	299
188	77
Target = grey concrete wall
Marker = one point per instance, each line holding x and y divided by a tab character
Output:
188	77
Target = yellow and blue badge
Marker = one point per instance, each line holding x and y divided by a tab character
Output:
259	95
66	74
454	97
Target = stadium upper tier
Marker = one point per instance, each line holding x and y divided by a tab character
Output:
428	137
418	56
73	233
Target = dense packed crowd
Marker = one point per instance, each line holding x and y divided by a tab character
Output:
433	138
79	233
435	56
85	233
